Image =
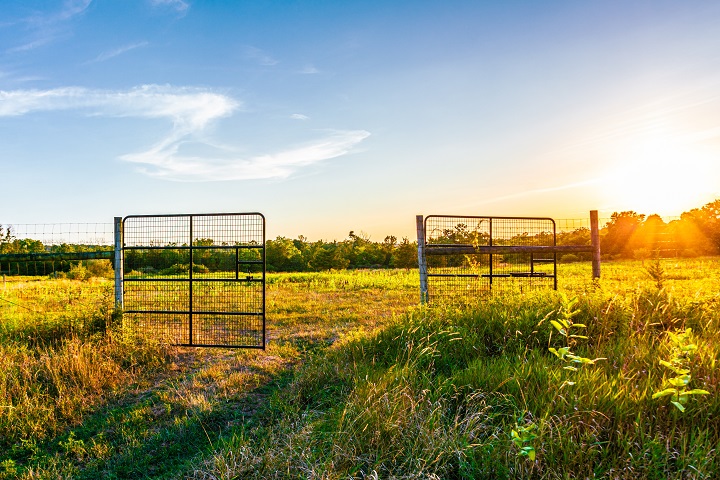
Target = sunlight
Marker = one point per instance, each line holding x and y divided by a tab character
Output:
662	174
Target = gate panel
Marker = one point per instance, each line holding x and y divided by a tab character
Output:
461	272
196	280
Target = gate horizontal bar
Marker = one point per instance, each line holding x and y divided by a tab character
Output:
200	312
212	345
196	280
459	249
492	275
195	247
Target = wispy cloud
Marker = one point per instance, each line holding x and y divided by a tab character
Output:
259	56
177	5
72	8
536	191
299	116
190	110
165	161
309	70
118	51
48	27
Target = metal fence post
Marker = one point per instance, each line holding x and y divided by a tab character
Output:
595	241
119	303
422	263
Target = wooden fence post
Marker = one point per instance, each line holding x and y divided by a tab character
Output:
595	241
422	264
119	301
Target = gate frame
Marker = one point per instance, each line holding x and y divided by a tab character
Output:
119	262
424	249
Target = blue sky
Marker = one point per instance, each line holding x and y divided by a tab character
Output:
332	116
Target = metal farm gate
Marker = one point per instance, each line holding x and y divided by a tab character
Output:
195	280
465	256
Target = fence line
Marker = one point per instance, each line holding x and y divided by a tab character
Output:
54	234
102	233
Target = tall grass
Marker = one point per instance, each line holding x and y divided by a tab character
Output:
359	382
60	355
435	394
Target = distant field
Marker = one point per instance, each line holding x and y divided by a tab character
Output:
360	382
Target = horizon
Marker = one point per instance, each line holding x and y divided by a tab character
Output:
358	116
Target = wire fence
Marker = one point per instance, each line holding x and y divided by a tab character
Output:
56	234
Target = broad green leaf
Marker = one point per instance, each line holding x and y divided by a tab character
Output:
695	391
679	406
529	452
561	353
665	393
678	370
558	327
571	368
579	325
680	381
583	360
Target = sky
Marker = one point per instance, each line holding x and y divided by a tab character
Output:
331	116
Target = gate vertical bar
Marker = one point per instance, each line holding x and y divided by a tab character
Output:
595	242
490	257
118	261
264	285
555	256
422	263
190	284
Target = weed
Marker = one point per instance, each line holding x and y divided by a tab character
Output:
676	387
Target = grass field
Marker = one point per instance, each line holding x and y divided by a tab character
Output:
358	381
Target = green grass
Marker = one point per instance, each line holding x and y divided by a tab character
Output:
360	382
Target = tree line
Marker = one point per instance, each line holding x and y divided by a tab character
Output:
626	235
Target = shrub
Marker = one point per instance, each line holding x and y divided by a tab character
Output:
100	268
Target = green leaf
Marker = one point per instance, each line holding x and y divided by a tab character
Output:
561	353
679	406
583	360
695	391
528	452
579	325
579	336
680	381
665	393
558	327
571	368
678	370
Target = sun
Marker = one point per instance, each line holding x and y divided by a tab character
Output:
662	174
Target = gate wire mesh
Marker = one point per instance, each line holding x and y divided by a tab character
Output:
196	280
463	277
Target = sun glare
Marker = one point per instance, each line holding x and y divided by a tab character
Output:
662	175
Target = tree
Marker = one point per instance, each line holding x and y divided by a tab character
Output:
705	221
406	254
619	232
282	255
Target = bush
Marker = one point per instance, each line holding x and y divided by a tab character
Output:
100	268
569	258
78	272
